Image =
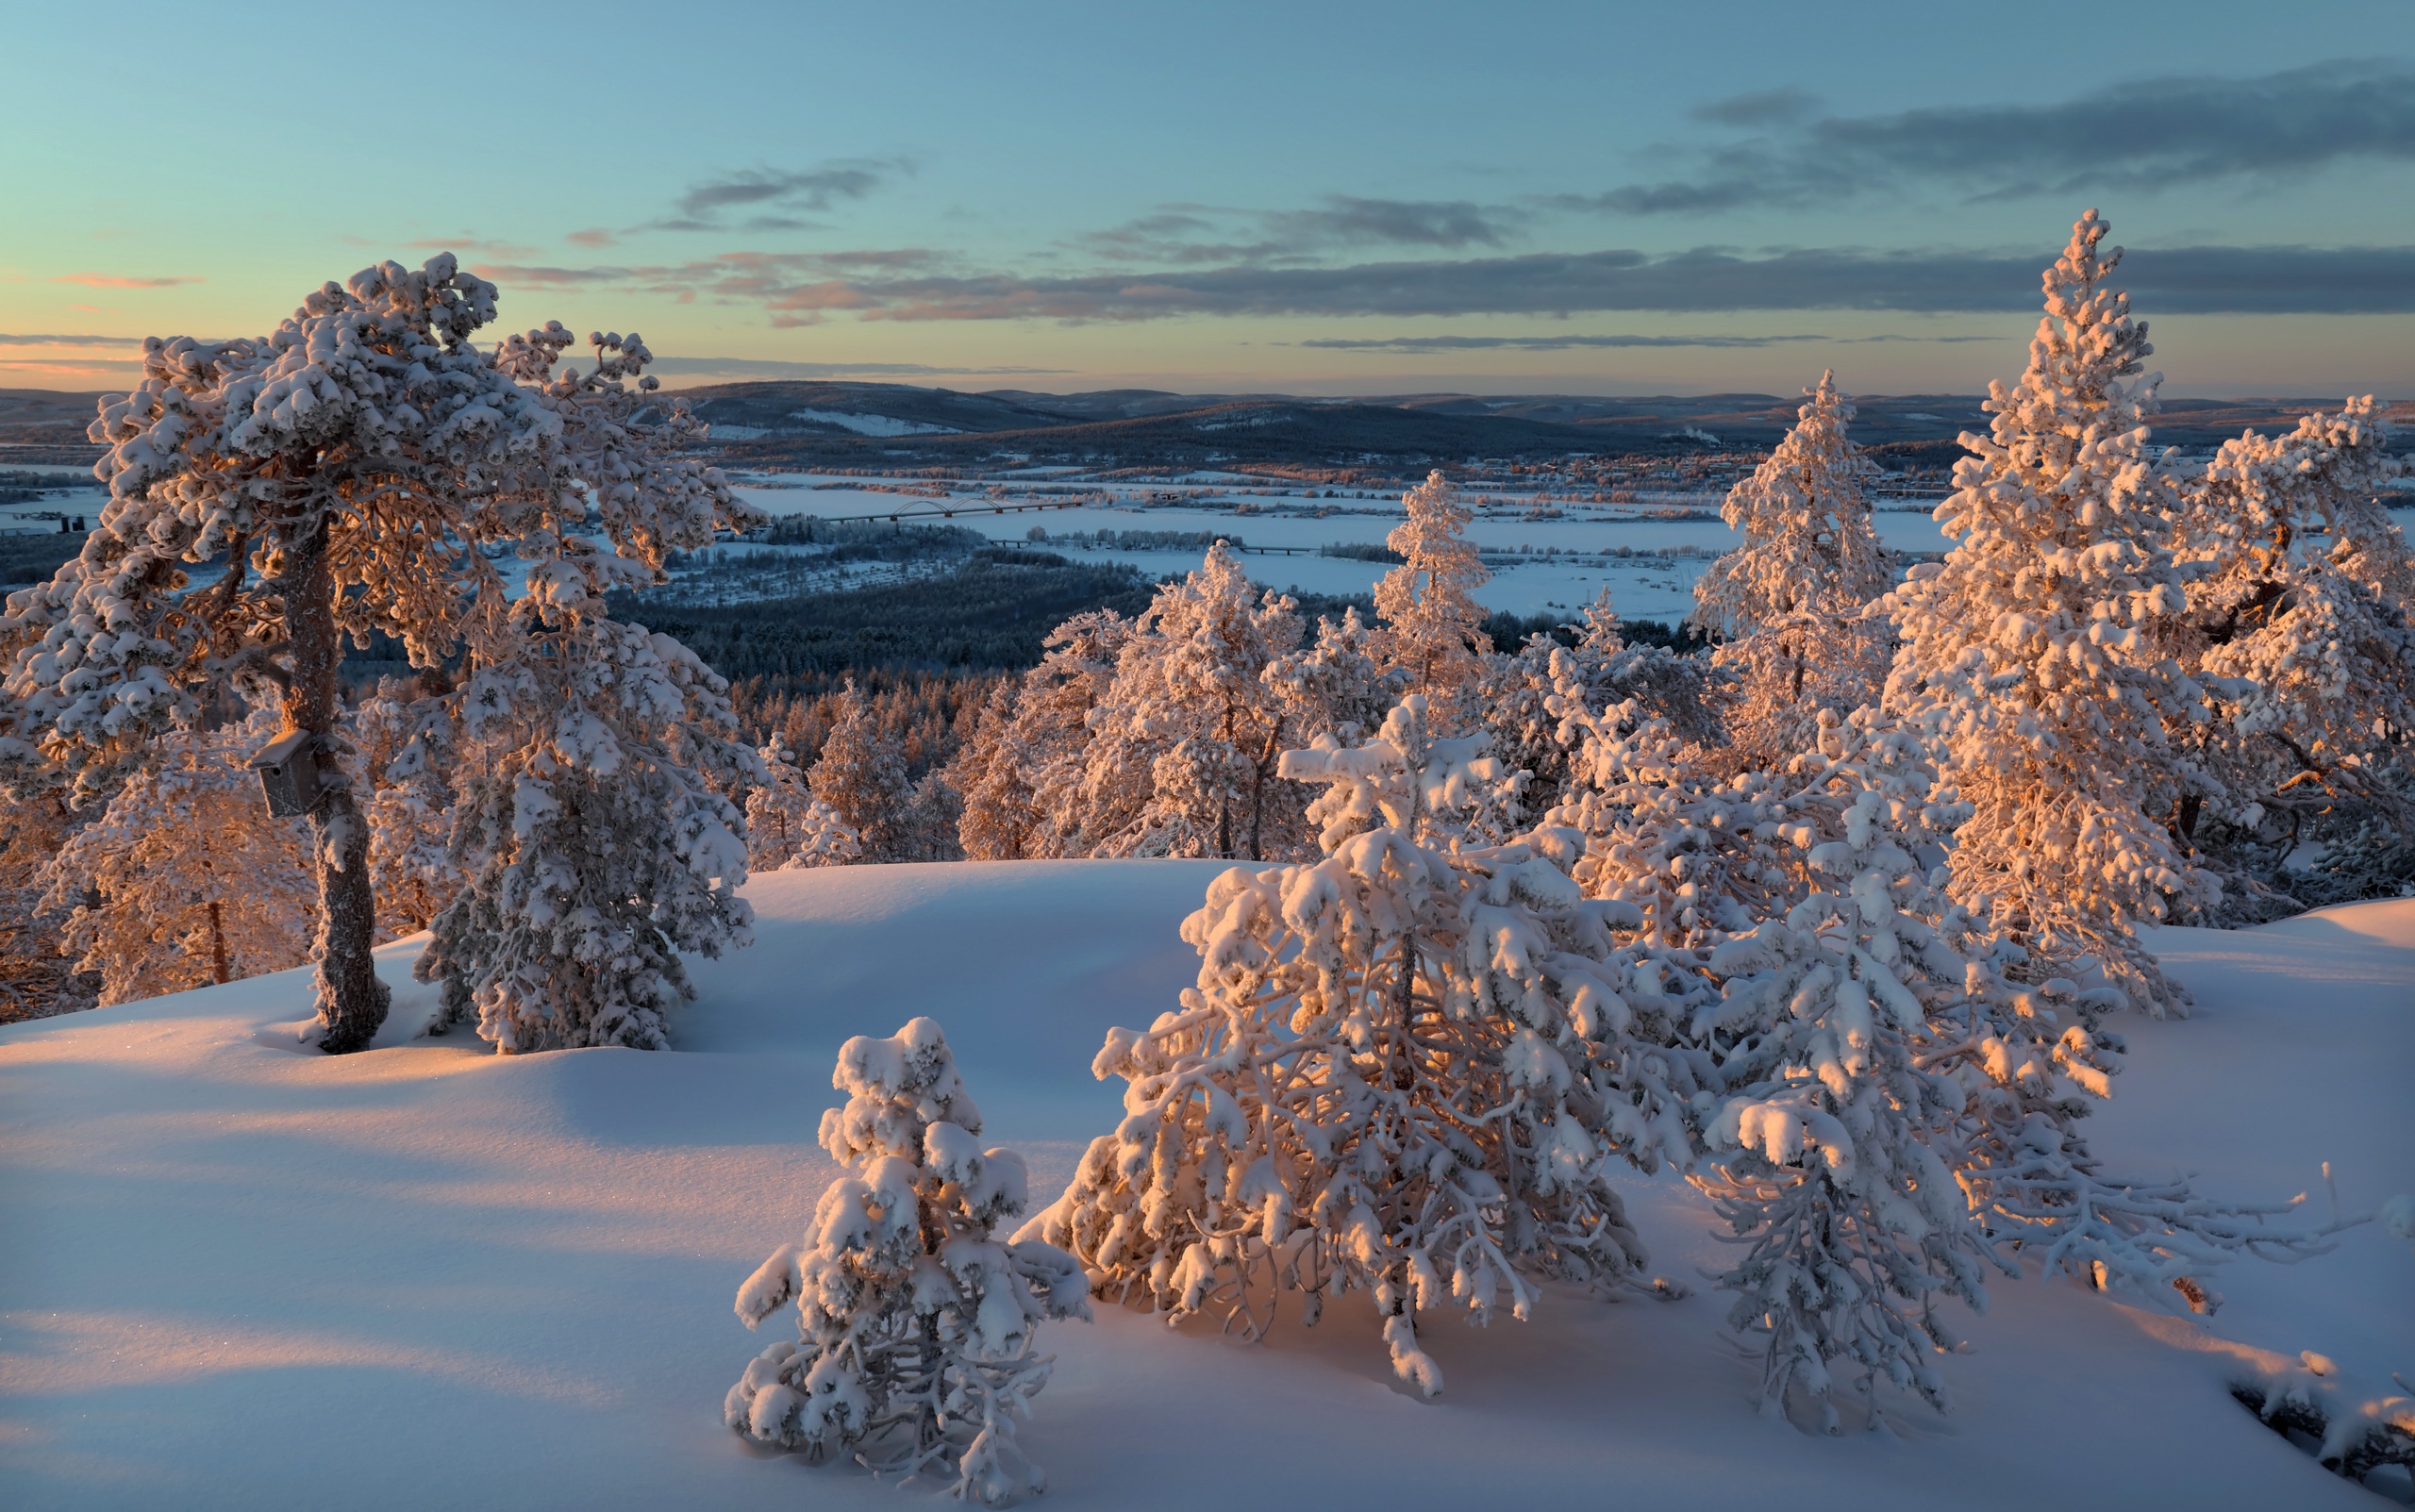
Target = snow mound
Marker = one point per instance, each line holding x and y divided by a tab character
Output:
235	1274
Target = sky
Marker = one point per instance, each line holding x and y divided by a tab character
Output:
1334	198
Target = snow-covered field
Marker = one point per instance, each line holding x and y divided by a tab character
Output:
1643	583
237	1274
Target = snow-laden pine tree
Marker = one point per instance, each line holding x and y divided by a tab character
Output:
1186	739
345	470
916	1326
2039	657
824	838
2301	601
1023	773
185	879
1406	1068
1433	626
1787	605
860	777
36	979
1887	1106
1519	692
595	835
408	749
1336	685
777	808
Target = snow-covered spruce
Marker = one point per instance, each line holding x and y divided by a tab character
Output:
1795	913
2302	614
1405	1068
915	1346
347	467
777	808
597	844
2039	657
1432	624
1788	605
860	777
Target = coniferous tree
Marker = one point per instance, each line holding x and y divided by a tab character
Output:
915	1325
1433	626
185	879
597	843
861	778
2302	618
346	469
1788	605
2039	657
1405	1069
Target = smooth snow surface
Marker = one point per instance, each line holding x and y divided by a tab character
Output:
237	1274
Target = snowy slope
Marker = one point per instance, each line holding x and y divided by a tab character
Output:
233	1274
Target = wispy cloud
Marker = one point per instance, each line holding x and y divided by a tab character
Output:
915	284
594	236
1763	107
1191	234
17	339
1426	345
103	280
465	242
777	199
2140	134
738	367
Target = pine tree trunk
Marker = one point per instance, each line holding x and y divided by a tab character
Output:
217	943
352	1001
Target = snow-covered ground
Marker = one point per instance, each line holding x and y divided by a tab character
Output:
1643	584
237	1274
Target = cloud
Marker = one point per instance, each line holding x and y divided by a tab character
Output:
735	367
7	339
2139	135
1191	234
1429	344
1763	107
103	281
915	284
594	236
781	198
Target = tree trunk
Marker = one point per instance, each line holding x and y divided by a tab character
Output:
352	1001
217	943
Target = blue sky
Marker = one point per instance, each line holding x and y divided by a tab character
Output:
1338	198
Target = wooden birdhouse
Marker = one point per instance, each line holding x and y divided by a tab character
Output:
289	769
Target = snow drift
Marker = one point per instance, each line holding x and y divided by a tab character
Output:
236	1273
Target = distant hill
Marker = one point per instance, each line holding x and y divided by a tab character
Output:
884	424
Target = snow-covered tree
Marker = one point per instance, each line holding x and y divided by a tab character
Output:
36	979
185	879
344	470
916	1326
597	841
777	808
861	778
2039	655
1890	1110
1022	771
1186	739
2301	601
1405	1069
824	838
1787	605
408	747
1336	685
1519	691
1433	626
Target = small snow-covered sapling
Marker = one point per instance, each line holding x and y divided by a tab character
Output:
914	1327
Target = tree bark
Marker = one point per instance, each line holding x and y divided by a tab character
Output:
217	943
352	1001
